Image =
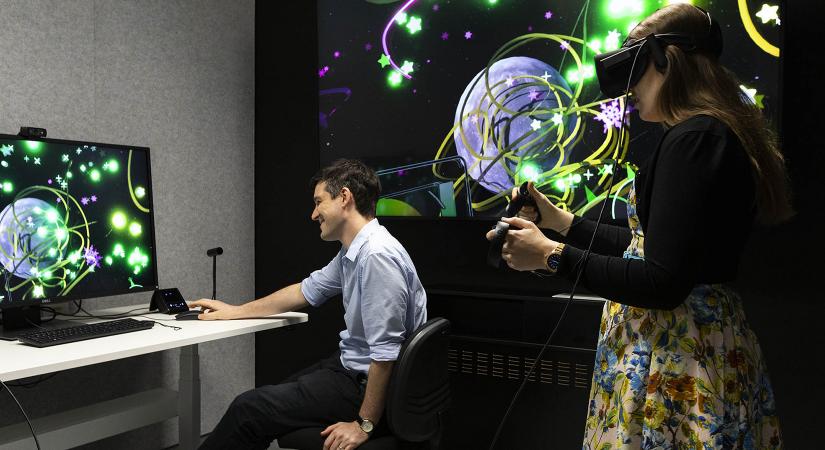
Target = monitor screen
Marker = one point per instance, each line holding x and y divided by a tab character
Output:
75	221
456	102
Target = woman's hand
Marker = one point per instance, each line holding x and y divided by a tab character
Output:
552	217
525	247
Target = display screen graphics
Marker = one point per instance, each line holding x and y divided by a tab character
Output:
456	102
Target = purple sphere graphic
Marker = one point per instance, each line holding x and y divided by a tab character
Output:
514	126
23	248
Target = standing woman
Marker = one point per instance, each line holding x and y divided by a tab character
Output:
677	365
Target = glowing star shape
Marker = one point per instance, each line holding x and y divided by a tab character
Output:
58	178
548	15
754	97
401	18
445	36
94	198
26	158
92	257
565	45
588	174
607	169
509	81
474	119
533	95
7	150
37	291
768	13
611	42
611	115
468	35
535	125
546	76
64	185
84	200
78	151
557	119
384	60
407	67
414	25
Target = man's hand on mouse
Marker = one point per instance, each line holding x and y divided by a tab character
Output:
215	309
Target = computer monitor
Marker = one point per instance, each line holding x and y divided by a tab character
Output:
76	222
510	88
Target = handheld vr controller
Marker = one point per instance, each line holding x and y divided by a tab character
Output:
524	199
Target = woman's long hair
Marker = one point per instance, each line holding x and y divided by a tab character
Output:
695	83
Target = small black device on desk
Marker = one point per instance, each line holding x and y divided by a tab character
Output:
524	199
168	301
191	314
56	336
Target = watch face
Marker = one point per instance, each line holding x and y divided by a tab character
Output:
366	425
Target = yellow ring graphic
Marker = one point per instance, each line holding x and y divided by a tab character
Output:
751	29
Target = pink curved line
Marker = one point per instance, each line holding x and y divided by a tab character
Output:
384	37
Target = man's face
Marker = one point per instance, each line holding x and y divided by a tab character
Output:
328	212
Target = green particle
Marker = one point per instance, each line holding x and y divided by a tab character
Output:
33	146
8	187
4	164
95	175
51	215
113	166
559	184
135	229
47	274
52	252
401	18
119	220
83	168
140	192
530	172
109	260
60	234
42	231
69	175
394	79
577	178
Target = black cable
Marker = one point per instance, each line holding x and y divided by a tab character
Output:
26	416
582	263
214	276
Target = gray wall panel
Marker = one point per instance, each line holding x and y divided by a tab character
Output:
178	77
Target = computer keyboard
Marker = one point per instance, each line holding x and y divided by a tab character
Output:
49	337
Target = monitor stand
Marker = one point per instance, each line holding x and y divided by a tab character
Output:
25	319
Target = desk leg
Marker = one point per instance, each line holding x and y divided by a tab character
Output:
189	398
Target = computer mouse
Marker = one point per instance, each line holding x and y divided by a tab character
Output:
192	314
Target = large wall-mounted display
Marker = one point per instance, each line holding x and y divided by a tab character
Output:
458	101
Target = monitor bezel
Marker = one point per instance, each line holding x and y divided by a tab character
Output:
68	298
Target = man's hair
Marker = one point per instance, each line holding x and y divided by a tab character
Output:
355	175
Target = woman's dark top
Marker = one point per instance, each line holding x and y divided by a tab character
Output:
695	200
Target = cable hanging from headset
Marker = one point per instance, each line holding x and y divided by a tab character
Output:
581	264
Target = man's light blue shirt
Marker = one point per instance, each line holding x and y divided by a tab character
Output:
384	301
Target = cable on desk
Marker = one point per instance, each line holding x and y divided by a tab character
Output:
26	416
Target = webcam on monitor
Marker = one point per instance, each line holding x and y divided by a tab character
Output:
32	132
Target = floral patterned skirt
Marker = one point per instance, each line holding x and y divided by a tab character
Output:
691	378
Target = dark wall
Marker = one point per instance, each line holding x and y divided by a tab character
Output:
778	277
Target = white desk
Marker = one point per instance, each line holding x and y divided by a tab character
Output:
106	419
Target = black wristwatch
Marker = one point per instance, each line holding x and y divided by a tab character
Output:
366	425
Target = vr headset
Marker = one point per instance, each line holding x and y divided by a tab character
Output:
621	69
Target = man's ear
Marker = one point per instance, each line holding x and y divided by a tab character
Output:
346	196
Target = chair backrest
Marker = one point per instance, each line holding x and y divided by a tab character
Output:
419	388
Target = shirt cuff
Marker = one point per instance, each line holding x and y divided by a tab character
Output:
385	352
312	295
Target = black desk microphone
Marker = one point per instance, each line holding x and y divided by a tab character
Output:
214	252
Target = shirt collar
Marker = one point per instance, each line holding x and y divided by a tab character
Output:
361	239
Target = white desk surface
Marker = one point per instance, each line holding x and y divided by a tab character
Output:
20	361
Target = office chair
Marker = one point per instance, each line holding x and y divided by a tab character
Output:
417	396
